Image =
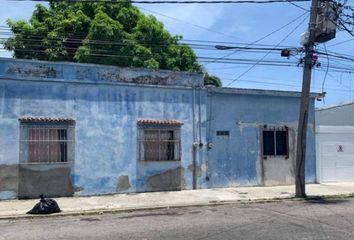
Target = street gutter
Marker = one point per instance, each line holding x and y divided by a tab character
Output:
201	204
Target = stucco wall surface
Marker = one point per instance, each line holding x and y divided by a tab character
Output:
92	73
237	159
105	114
106	103
105	127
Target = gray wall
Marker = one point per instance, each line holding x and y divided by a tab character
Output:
336	116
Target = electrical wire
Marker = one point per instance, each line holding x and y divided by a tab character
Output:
128	42
267	35
325	76
9	31
302	8
168	2
189	23
342	42
261	59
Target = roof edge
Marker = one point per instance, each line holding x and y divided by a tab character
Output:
252	91
26	69
338	105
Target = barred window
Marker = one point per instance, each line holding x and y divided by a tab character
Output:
46	143
159	143
275	142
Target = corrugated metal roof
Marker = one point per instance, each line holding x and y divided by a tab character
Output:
160	122
44	119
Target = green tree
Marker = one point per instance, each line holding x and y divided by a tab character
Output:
212	80
103	33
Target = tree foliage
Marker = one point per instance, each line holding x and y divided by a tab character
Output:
96	32
212	80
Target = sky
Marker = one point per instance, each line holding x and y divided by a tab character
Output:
242	25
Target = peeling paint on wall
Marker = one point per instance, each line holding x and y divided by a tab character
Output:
37	180
169	180
78	189
123	183
237	160
39	71
106	102
198	169
8	181
25	69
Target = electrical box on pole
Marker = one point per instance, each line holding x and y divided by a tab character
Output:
322	28
326	21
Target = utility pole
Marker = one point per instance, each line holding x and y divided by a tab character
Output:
304	105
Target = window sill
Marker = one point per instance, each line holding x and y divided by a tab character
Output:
46	163
276	156
159	161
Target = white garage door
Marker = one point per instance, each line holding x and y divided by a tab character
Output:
335	153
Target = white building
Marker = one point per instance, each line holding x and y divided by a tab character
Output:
335	143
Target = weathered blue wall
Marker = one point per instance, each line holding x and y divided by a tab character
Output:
236	159
105	114
106	103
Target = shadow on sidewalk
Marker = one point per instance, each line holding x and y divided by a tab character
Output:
324	200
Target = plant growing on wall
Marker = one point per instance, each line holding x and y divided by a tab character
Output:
212	80
104	33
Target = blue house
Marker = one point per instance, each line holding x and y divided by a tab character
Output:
80	129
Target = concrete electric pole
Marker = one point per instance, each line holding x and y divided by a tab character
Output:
304	106
322	28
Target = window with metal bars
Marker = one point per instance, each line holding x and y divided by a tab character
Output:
46	143
275	142
159	144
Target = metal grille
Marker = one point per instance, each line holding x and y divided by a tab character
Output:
275	142
46	144
159	145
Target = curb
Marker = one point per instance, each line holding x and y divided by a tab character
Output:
136	209
187	205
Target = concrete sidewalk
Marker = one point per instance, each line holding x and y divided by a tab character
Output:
140	201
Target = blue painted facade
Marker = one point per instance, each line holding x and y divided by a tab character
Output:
236	160
106	103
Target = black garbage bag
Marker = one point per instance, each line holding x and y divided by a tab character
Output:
45	206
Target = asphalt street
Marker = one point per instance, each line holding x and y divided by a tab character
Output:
313	219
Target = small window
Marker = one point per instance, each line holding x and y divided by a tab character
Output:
222	133
159	143
275	142
46	142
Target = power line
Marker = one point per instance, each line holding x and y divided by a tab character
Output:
335	55
261	59
342	42
198	46
302	8
110	53
30	42
170	2
188	23
9	31
289	85
204	59
74	38
267	35
325	76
